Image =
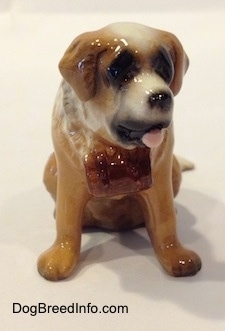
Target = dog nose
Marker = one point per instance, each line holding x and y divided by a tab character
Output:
161	100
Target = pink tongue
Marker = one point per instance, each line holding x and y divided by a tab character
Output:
153	138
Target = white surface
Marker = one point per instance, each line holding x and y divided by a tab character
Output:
120	269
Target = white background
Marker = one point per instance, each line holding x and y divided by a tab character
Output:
115	269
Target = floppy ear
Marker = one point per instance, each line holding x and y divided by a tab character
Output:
79	64
180	61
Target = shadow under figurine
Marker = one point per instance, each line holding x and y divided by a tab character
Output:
113	165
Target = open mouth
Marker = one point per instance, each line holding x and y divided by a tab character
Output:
150	137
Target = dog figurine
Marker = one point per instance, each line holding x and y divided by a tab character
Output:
113	165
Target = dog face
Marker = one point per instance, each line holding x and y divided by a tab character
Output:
125	76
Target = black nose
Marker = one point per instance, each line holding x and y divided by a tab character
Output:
161	100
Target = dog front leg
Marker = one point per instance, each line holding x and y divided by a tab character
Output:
160	221
59	260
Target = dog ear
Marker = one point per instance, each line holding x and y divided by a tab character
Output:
180	60
79	65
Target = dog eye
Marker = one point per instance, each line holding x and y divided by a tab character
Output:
163	65
122	69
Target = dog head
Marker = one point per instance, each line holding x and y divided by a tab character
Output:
126	75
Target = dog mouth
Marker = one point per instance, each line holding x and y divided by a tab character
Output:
150	136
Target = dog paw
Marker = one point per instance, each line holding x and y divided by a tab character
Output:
57	262
184	263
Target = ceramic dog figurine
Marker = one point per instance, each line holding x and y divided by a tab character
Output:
113	165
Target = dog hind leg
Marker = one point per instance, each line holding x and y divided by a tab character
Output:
176	176
50	176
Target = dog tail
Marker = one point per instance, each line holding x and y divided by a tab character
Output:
185	165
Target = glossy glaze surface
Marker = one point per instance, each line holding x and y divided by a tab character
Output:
113	164
117	171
